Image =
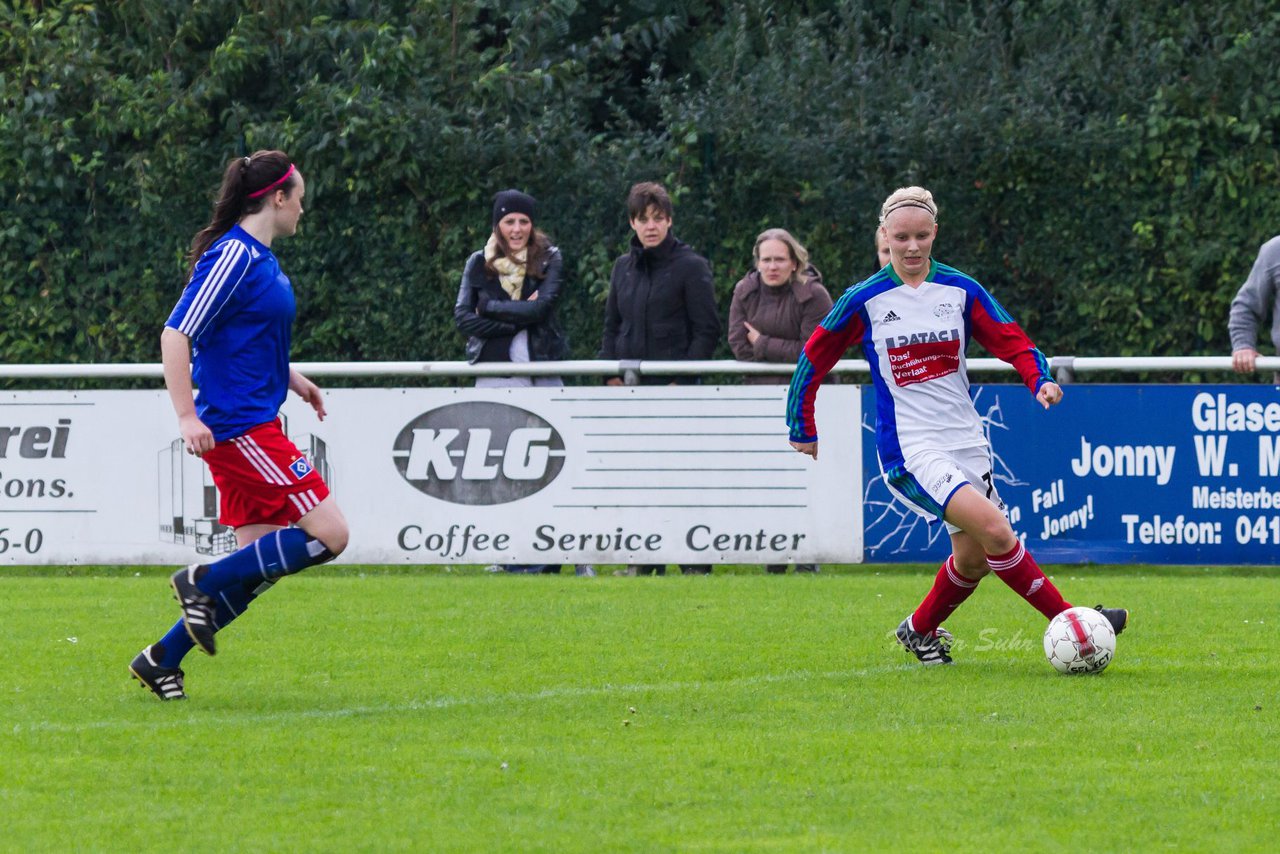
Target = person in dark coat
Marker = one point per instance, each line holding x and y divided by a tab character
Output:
507	299
662	304
506	307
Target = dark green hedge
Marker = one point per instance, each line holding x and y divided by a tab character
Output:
1107	168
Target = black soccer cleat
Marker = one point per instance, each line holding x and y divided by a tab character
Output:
197	607
164	682
931	649
1117	617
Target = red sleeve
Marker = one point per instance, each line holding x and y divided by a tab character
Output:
1004	339
821	352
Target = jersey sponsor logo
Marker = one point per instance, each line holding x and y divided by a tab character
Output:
918	361
890	317
478	453
300	468
921	338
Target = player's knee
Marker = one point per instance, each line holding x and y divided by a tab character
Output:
972	568
996	536
328	529
339	545
336	540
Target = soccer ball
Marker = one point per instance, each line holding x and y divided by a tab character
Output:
1079	640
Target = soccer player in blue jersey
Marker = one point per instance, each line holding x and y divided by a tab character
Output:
230	333
913	320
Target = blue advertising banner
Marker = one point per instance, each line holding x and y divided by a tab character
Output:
1179	474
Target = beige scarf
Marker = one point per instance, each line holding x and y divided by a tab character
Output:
510	274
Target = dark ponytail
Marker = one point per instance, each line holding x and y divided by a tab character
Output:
243	177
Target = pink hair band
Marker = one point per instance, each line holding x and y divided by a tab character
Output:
276	183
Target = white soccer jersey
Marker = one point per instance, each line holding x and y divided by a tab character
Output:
914	339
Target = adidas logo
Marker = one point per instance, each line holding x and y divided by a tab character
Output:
890	317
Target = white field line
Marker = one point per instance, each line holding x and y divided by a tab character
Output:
150	724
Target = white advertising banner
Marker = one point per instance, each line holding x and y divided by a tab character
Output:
651	474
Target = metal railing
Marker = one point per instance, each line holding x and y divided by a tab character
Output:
1065	368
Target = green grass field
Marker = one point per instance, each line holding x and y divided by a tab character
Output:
414	709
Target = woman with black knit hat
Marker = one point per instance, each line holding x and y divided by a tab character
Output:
507	301
507	307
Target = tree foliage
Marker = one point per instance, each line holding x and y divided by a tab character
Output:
1108	169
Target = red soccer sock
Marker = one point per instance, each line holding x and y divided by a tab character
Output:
1019	570
950	588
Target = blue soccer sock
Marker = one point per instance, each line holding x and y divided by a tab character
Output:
175	644
275	555
228	605
234	601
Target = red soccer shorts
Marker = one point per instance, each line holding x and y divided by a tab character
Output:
263	479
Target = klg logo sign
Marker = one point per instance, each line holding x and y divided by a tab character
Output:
479	453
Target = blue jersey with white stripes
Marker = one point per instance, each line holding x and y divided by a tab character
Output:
238	311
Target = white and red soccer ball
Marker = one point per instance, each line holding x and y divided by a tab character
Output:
1079	640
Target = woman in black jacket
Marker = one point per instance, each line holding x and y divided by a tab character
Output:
507	301
662	304
507	307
